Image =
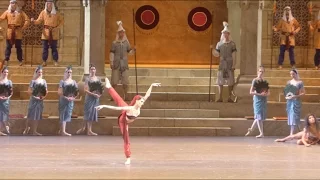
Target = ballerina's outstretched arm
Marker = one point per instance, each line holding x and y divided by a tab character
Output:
148	93
122	108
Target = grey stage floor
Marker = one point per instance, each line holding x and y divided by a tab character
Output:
101	157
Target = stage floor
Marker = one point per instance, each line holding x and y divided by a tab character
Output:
101	157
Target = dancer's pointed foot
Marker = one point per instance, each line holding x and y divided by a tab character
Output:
279	140
219	100
80	131
249	131
65	134
2	134
128	161
8	129
26	131
108	85
36	134
260	136
90	133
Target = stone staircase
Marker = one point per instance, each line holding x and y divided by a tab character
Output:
278	78
181	96
180	107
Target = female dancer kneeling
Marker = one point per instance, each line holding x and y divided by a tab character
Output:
129	113
310	134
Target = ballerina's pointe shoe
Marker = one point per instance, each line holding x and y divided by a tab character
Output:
8	129
80	131
65	134
128	161
36	134
26	131
260	136
249	131
92	134
108	85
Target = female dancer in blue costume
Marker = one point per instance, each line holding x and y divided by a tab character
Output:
35	107
294	102
259	104
310	134
4	101
91	101
129	113
65	103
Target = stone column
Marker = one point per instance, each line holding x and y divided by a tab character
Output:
86	49
234	20
94	43
249	37
259	33
251	30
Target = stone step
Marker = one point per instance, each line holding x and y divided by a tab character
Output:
172	80
141	88
276	90
284	80
305	98
310	73
182	113
107	126
175	131
308	89
173	88
14	68
168	96
159	96
226	110
52	95
17	87
170	72
15	78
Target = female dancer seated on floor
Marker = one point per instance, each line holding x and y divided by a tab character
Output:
310	134
129	113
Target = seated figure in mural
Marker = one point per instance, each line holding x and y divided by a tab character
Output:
52	21
225	49
315	27
288	27
120	49
17	22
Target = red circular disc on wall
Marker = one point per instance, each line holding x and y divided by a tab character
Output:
147	17
199	19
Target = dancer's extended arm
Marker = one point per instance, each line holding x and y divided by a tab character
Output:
123	108
148	93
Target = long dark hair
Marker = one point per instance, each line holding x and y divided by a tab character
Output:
4	68
91	65
307	123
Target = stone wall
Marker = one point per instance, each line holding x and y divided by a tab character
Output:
172	41
71	42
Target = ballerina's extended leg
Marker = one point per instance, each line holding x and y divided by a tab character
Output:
251	129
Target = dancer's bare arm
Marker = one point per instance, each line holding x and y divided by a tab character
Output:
148	93
123	108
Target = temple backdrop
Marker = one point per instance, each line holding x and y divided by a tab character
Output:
304	50
172	41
